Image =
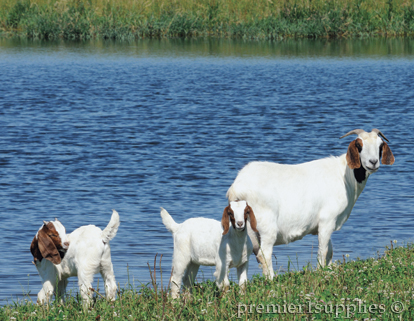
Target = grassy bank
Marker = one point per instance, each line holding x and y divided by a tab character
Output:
262	19
379	288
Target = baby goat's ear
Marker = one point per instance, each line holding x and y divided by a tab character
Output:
253	225
225	221
34	249
387	156
47	248
352	156
253	222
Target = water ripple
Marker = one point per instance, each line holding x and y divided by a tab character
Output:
84	131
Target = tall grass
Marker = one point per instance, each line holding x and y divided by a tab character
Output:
380	288
259	19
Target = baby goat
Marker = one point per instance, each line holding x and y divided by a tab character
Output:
203	241
82	253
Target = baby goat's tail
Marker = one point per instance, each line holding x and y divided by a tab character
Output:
110	231
168	221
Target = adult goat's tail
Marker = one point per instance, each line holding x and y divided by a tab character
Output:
110	231
168	221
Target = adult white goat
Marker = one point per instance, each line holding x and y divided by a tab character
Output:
291	201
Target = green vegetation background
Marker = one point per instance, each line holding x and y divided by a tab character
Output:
259	19
380	288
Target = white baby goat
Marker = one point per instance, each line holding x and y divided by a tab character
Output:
82	253
291	201
203	241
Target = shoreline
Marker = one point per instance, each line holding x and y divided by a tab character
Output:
381	287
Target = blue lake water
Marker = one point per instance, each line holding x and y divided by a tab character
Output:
90	127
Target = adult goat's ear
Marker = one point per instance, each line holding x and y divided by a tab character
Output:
387	156
352	156
47	248
225	221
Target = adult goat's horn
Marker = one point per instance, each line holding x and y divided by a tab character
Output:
355	131
378	132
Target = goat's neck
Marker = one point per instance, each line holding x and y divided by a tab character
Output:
48	270
238	234
355	181
360	174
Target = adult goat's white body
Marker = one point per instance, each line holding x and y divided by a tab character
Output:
291	201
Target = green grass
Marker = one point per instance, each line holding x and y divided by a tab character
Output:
347	290
247	19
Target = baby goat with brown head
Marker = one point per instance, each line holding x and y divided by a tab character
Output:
50	242
203	241
82	253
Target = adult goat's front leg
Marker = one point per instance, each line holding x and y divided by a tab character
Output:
263	243
329	255
325	251
264	254
264	257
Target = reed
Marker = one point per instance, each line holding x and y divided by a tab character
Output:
261	19
380	288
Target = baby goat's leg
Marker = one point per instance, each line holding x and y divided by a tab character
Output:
242	276
47	291
107	272
222	280
180	264
41	297
190	274
85	283
62	289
